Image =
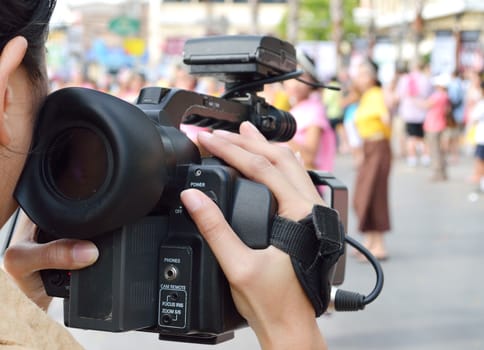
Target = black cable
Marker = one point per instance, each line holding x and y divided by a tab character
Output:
275	79
319	85
343	300
252	84
376	265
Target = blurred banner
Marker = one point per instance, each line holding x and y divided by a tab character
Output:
471	53
442	58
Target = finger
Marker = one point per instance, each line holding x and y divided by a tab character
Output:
258	168
280	156
247	129
65	254
227	247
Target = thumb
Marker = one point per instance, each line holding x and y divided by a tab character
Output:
224	243
65	254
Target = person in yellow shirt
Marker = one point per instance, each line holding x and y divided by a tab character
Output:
371	191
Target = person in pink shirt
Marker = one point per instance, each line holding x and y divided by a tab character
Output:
412	91
438	105
314	141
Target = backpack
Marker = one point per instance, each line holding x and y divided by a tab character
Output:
456	94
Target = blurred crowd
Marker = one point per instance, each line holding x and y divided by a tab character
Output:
418	118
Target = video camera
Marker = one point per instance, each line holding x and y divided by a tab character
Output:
109	171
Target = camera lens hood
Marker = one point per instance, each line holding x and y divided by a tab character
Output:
96	164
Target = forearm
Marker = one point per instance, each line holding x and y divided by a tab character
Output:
349	99
297	335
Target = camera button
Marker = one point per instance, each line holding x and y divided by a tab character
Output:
212	195
166	319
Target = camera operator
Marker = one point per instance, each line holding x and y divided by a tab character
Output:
252	274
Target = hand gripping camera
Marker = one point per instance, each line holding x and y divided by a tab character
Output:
111	172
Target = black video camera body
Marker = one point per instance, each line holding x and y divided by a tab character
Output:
158	274
111	172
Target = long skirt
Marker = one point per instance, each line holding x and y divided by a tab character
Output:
371	189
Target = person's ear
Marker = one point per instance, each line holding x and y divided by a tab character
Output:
10	60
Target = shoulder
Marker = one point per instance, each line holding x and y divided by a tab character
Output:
375	94
402	81
304	109
18	314
480	106
312	106
438	96
478	111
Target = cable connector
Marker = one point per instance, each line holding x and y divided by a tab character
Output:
343	300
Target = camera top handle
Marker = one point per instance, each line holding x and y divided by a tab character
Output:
171	107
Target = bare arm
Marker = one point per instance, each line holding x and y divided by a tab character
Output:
253	274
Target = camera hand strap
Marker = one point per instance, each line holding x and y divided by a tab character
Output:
314	244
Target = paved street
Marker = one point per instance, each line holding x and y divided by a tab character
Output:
433	296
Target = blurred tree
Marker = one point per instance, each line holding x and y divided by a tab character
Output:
254	15
315	21
337	15
290	29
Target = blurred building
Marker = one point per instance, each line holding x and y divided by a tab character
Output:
148	31
449	31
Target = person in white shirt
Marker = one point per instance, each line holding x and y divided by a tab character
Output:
477	118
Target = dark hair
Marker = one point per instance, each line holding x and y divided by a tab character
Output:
308	65
374	70
30	19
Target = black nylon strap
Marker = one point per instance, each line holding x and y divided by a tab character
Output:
295	238
317	234
314	244
329	229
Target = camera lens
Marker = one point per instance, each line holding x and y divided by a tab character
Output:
77	163
277	125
